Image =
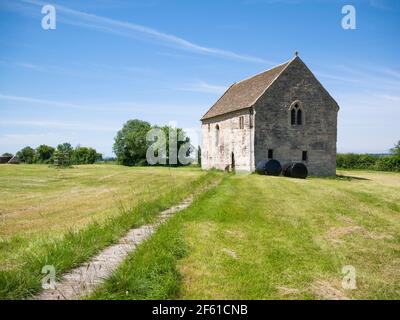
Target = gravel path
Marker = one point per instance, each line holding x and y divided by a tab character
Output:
82	280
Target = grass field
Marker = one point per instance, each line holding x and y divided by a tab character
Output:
258	237
244	236
64	216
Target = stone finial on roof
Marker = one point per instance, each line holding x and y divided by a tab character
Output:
296	53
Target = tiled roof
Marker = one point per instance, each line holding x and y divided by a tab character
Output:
245	93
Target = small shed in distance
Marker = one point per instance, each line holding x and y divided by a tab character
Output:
14	160
5	159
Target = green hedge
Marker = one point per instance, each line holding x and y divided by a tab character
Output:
388	163
369	162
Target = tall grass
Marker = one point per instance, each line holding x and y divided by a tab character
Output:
77	247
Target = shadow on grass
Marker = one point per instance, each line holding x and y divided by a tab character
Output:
348	178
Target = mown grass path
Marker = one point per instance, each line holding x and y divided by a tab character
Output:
147	192
82	280
258	237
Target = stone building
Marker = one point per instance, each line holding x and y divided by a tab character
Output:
283	113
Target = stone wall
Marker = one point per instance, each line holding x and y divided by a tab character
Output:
316	135
232	139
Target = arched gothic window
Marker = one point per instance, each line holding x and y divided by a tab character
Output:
296	114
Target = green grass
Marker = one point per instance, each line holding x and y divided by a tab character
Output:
37	201
248	237
138	195
258	237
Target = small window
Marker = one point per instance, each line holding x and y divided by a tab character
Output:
209	127
217	135
270	153
304	156
241	122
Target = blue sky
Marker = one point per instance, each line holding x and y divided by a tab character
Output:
168	61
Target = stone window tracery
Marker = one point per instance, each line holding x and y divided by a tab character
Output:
296	114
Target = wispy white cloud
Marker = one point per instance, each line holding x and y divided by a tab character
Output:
40	101
378	4
66	125
370	75
394	73
380	102
63	104
112	4
383	78
123	28
22	137
130	107
11	142
86	70
336	77
389	97
72	71
202	86
31	66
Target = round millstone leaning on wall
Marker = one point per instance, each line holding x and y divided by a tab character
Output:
295	170
285	169
273	168
270	167
260	168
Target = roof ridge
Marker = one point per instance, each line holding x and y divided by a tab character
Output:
260	73
247	92
277	76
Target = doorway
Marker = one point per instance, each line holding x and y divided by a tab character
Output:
233	162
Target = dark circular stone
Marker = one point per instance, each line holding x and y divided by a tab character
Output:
299	170
273	168
260	168
286	169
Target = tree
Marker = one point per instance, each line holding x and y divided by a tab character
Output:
63	155
175	140
169	144
26	155
396	150
83	155
80	155
130	143
44	154
7	154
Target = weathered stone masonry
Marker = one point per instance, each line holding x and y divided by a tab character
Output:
253	120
